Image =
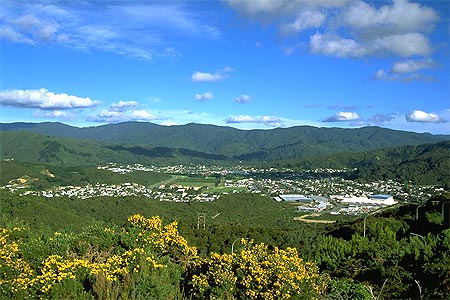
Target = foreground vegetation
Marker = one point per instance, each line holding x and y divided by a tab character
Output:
400	257
146	260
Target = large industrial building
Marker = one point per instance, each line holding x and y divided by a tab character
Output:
293	198
384	200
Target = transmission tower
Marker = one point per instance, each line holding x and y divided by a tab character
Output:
201	220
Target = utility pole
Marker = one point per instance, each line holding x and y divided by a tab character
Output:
232	245
364	234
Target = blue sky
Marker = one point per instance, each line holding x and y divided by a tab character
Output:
246	64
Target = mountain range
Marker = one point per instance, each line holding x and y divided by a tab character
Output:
224	143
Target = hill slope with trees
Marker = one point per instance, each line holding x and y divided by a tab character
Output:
246	145
38	148
420	164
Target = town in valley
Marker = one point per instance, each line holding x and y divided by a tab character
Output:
319	191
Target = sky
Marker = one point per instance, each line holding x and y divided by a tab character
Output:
253	64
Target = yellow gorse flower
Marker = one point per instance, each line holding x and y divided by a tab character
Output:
153	241
257	273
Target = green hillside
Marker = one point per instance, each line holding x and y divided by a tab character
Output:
42	176
420	164
247	145
37	148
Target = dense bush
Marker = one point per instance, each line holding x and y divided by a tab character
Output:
145	260
256	272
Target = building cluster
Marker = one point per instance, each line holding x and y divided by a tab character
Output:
338	204
174	193
314	191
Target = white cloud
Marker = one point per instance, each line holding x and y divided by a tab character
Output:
43	99
109	116
242	99
410	66
139	29
257	7
211	77
421	116
123	111
405	44
305	20
169	123
406	71
400	16
267	10
336	46
204	97
343	117
10	34
266	120
123	105
57	114
352	29
142	115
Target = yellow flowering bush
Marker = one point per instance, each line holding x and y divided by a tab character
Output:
133	263
257	273
146	260
165	239
16	273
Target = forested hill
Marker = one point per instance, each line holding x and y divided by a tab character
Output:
246	145
424	164
38	148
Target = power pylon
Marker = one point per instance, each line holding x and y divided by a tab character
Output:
201	220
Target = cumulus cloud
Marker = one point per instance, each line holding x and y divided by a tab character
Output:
400	16
406	71
266	120
305	20
405	45
412	65
123	111
204	97
141	115
423	117
198	76
343	117
334	45
350	29
268	10
43	99
242	99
